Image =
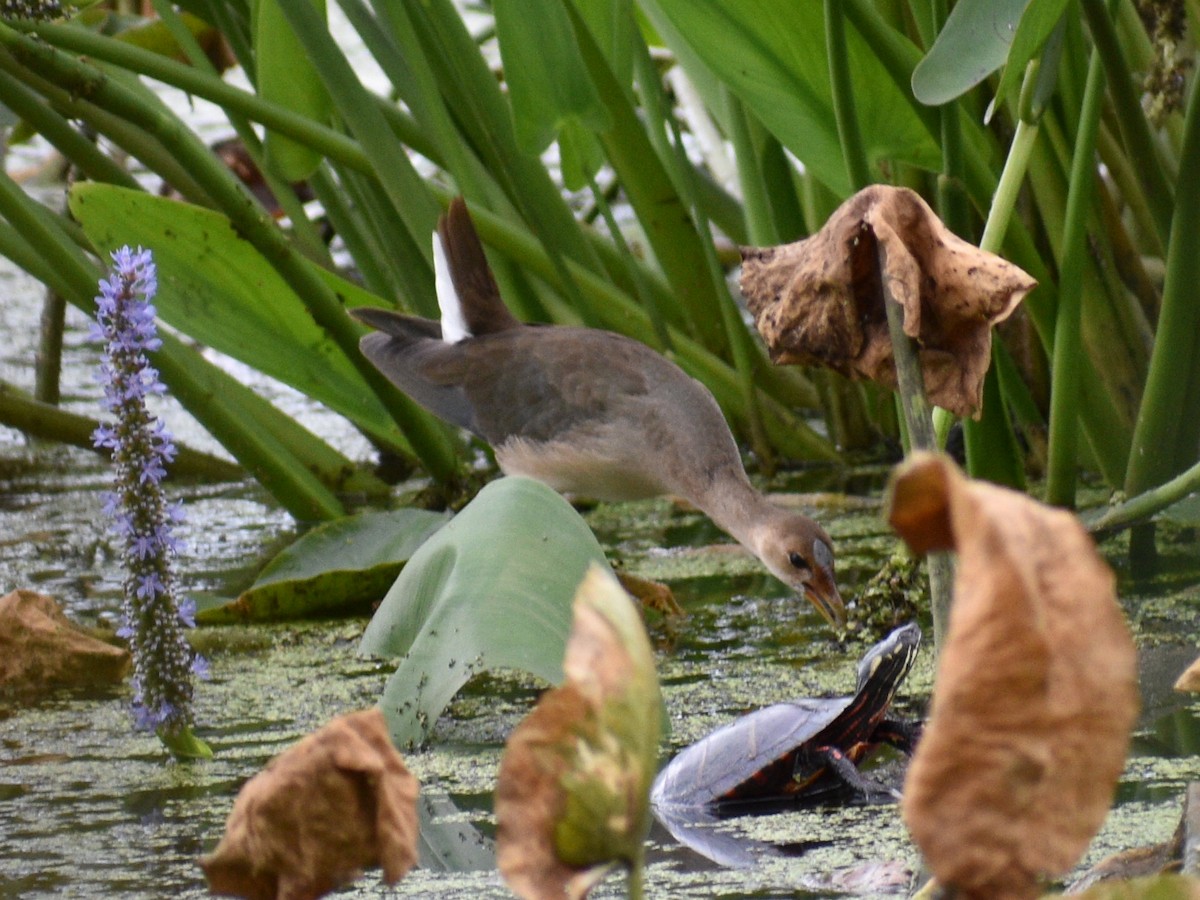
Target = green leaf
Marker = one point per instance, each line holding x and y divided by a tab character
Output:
492	589
771	55
547	82
340	567
217	288
286	75
972	45
1038	22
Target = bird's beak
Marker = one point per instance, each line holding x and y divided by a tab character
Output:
822	593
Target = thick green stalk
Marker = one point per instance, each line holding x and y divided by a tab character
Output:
1068	343
42	420
429	439
193	380
55	128
1135	130
849	132
1147	503
663	213
1166	433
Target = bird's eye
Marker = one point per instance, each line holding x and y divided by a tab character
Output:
799	562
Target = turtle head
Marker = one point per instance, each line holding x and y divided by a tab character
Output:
887	664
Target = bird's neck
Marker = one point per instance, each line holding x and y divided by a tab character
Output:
738	508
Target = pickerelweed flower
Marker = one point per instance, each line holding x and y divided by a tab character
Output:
153	617
42	10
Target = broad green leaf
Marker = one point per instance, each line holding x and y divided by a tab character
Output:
547	82
1037	23
492	589
218	289
972	45
340	567
287	76
771	54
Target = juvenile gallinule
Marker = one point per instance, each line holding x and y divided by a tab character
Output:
586	411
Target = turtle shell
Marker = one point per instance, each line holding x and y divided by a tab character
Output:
718	764
763	756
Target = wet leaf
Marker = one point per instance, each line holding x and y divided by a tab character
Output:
1036	688
341	567
818	301
493	588
40	648
338	801
572	795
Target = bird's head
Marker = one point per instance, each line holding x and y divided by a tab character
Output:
799	553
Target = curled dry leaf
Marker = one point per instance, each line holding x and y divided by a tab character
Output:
1036	688
41	648
1190	679
572	795
338	801
818	301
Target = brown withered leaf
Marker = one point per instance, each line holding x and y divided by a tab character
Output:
41	648
336	802
1189	681
1036	688
818	301
572	794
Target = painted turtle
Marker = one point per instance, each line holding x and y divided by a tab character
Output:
806	750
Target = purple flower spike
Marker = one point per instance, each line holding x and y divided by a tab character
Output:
154	619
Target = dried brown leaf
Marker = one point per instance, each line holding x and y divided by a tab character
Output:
41	648
572	794
818	301
337	802
1036	689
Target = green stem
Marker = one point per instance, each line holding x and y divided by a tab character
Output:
430	441
1004	201
1165	435
1144	505
1068	342
849	133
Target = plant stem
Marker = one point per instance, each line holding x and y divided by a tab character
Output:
1139	508
1068	342
849	133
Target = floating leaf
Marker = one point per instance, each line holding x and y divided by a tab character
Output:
819	301
338	801
572	794
1036	688
40	648
492	588
340	567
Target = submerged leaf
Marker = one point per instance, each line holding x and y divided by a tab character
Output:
338	801
1036	688
40	648
572	795
341	567
819	301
